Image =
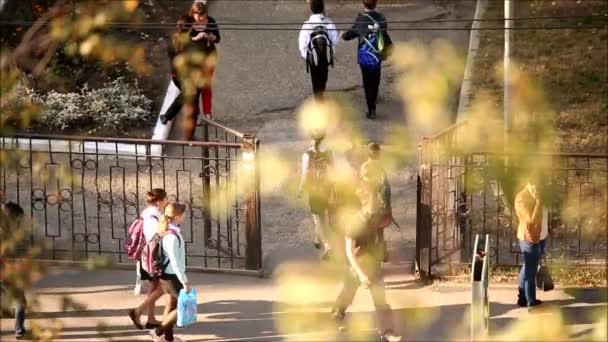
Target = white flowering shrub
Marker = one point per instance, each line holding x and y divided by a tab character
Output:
113	108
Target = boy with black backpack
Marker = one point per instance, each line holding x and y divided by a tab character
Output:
374	46
317	43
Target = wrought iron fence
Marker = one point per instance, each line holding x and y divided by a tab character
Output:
461	194
83	193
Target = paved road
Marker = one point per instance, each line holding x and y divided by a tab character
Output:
235	308
261	80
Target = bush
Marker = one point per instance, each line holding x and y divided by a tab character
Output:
113	107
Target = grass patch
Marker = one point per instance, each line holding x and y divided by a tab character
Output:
571	65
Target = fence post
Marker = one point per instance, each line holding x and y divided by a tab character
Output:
253	250
419	228
480	276
206	187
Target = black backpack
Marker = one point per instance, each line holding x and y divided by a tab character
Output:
154	260
320	49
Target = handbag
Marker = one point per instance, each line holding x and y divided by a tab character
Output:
544	281
186	308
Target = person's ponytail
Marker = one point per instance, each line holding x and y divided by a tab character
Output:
172	211
163	225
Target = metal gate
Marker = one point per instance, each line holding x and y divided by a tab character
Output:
82	193
461	193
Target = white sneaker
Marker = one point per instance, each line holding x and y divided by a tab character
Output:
389	336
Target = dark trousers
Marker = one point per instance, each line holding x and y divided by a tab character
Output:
17	296
372	267
20	304
371	84
527	275
318	75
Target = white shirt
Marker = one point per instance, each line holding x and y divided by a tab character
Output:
175	249
312	22
544	227
151	216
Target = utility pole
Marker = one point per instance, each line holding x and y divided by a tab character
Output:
507	71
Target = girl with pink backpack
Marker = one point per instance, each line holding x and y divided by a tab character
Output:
142	231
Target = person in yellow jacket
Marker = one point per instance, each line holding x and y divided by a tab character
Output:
529	211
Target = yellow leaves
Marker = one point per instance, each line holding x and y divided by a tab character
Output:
546	326
318	116
304	291
600	332
274	170
90	44
60	28
429	75
483	130
49	332
138	60
101	19
84	25
130	5
361	327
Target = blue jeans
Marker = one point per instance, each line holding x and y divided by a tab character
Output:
527	275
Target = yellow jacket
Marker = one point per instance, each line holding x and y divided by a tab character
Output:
529	212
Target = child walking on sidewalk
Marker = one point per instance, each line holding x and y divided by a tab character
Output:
173	273
364	252
315	180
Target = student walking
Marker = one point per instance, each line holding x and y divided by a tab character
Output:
205	35
374	46
529	211
364	252
173	277
11	219
179	40
157	201
380	209
317	43
316	163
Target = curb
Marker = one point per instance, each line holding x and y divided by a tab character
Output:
465	89
78	265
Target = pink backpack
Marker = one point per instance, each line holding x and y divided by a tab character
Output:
135	241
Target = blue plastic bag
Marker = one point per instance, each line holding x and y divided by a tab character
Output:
186	308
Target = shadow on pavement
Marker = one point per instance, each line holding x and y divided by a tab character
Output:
596	307
261	320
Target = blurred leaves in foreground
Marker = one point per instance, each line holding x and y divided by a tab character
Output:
80	30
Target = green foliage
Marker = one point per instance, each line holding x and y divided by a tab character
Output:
35	56
111	108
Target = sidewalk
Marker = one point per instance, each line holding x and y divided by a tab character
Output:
294	306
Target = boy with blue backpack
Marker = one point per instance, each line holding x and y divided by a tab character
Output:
317	43
374	46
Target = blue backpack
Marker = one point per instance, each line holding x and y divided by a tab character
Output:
372	46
